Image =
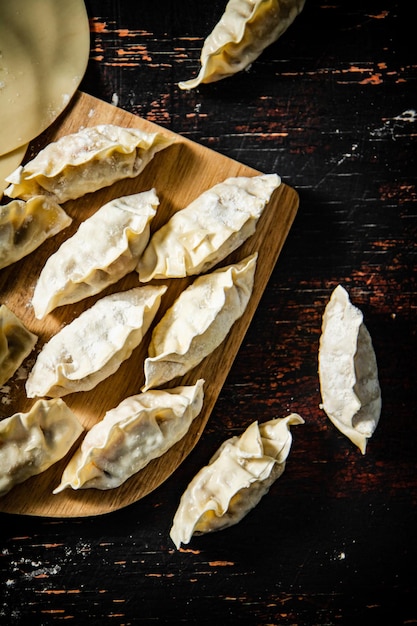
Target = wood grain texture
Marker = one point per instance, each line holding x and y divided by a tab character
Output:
179	174
331	107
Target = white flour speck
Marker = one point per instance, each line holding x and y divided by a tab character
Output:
393	126
43	571
410	115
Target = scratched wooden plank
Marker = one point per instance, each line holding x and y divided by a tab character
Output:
326	109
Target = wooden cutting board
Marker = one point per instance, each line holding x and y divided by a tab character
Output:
179	174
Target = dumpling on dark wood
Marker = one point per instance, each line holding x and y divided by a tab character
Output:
245	29
348	372
236	478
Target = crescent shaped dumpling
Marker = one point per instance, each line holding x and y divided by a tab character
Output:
201	235
245	29
141	428
94	344
24	226
236	478
16	343
348	372
198	321
105	248
31	442
82	162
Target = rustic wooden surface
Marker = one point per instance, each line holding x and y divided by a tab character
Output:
179	174
332	108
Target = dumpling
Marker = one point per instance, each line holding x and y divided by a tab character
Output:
106	247
198	321
16	343
141	428
24	226
236	478
94	344
198	237
245	29
348	371
31	442
85	161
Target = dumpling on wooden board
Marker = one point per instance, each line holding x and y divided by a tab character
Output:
245	29
16	343
105	248
198	321
94	344
82	162
236	478
31	442
24	226
198	237
348	372
141	428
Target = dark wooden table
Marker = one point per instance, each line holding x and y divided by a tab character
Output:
332	108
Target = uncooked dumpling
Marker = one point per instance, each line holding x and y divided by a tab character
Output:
143	427
24	226
105	248
94	344
198	321
235	480
82	162
201	235
245	29
16	343
31	442
351	395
